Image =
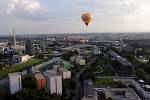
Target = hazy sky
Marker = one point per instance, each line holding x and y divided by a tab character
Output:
64	16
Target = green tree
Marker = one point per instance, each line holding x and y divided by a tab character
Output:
140	73
109	98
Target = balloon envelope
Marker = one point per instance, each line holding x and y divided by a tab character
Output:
86	18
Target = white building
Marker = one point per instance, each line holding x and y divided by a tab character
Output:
15	82
21	59
66	74
54	82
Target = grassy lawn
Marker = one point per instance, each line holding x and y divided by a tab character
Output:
105	82
19	67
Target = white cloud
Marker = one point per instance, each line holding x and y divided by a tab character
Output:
25	5
31	5
64	15
26	9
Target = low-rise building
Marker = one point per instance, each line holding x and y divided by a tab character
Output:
66	74
54	82
21	59
66	64
15	83
78	60
121	94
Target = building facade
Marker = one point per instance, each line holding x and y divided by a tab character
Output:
40	79
29	46
21	59
78	60
15	82
66	74
54	82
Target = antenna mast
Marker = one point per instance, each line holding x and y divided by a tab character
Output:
14	33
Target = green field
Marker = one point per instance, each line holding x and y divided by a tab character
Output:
105	82
19	67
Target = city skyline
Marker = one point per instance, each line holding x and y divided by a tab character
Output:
49	16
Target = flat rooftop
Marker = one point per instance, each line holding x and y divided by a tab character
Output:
50	73
38	75
121	94
14	74
63	69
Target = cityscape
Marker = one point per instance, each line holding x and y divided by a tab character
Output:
96	66
80	55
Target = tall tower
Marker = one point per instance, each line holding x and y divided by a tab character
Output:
14	33
29	46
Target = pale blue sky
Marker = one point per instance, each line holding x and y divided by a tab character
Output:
64	16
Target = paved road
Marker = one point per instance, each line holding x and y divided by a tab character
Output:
78	90
116	77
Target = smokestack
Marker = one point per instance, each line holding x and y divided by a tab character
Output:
14	37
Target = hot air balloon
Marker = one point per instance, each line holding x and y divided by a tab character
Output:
86	18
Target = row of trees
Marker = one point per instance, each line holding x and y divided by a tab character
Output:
140	68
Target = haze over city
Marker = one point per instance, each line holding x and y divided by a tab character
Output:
64	16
